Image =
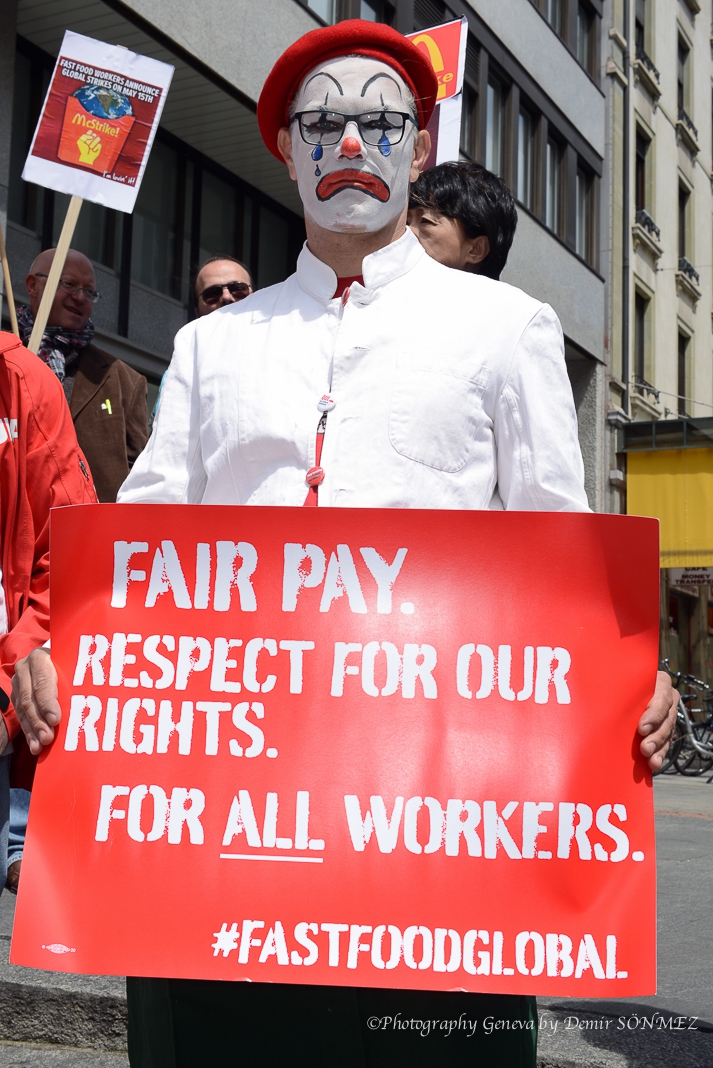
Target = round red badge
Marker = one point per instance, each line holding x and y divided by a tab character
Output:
314	476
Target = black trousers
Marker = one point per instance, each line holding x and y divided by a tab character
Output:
185	1023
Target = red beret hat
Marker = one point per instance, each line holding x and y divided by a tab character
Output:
353	36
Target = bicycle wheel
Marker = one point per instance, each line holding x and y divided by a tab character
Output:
668	766
689	761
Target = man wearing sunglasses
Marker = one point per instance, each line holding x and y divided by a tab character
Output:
222	280
372	377
106	397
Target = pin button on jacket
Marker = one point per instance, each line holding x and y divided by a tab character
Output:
314	476
326	403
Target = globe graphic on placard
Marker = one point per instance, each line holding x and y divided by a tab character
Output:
102	102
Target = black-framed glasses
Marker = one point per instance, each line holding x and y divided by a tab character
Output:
377	128
237	290
71	287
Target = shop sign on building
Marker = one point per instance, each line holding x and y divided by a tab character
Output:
690	578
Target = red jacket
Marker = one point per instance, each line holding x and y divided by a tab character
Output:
41	467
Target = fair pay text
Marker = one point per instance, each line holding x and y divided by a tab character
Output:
117	706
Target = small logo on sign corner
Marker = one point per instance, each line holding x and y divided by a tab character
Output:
57	947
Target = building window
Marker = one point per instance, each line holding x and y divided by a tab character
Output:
554	214
525	158
156	237
683	377
469	111
640	28
683	76
642	148
494	127
226	217
585	37
428	13
469	124
25	201
273	260
325	9
684	198
553	13
584	219
641	307
98	233
376	11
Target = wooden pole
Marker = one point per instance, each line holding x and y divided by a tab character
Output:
8	285
65	239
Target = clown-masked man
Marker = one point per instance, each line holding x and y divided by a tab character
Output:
373	377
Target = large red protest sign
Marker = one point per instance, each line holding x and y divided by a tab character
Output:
361	747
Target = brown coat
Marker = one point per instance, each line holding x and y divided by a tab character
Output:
110	416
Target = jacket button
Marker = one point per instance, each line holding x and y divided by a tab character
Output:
326	403
314	476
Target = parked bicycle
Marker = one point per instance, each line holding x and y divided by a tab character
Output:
691	749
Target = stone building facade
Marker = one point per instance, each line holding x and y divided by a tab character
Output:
659	237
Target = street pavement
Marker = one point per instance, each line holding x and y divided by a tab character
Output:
51	1020
32	1055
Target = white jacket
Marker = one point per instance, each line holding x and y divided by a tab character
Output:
451	392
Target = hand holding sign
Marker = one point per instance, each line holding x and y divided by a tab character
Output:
34	698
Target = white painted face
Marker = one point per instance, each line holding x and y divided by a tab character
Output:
354	186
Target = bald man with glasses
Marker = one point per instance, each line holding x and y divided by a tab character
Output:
106	397
221	280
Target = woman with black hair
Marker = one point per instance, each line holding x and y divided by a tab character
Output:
464	216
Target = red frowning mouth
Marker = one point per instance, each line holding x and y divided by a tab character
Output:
365	182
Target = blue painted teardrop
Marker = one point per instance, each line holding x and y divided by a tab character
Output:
384	146
317	171
317	152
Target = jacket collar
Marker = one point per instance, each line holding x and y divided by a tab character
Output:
379	268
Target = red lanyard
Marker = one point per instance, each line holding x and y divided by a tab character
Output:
315	475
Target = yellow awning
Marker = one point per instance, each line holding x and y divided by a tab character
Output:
676	487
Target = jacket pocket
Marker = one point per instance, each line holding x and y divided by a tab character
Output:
435	414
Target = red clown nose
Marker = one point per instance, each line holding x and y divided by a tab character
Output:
350	147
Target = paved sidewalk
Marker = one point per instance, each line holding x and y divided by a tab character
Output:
31	1055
